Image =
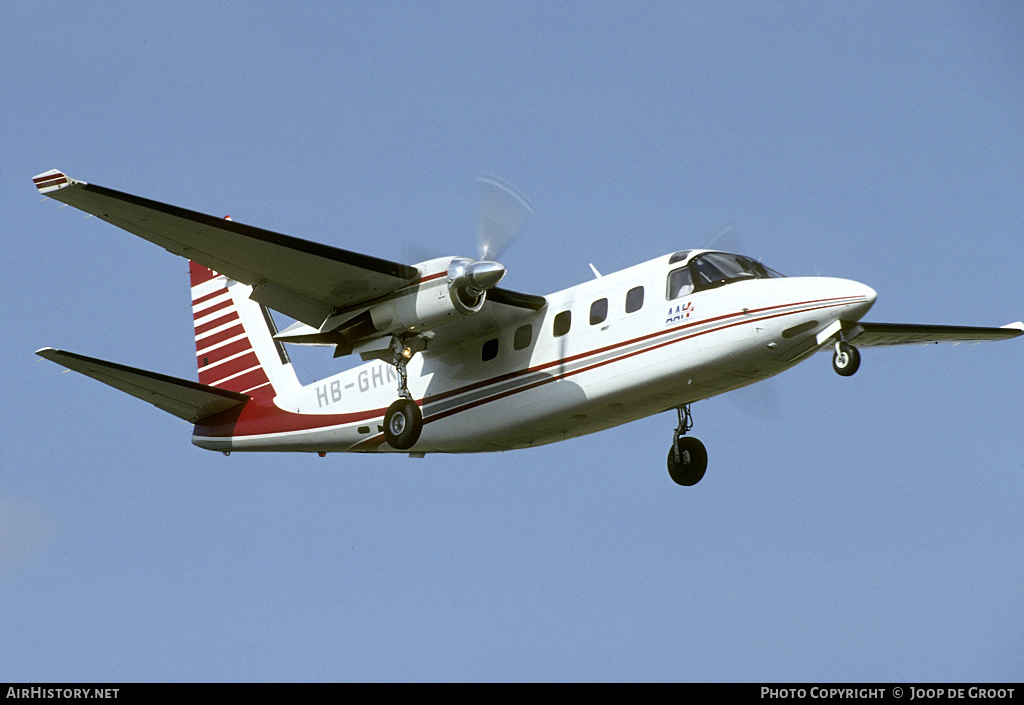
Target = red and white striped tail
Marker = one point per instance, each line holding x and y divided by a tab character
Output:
235	348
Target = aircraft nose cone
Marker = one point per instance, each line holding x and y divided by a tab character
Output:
867	293
484	275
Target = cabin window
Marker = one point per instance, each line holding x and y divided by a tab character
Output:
634	299
680	283
523	337
598	311
562	323
490	350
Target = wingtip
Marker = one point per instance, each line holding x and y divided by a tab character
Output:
50	181
51	354
1019	325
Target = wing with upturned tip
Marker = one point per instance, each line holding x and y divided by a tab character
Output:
302	279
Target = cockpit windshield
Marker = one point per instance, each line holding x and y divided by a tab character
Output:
713	269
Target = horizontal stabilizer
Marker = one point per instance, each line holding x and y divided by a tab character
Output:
878	334
186	400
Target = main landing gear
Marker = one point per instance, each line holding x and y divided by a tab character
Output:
402	424
403	420
687	458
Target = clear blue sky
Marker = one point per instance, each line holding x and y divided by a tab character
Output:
868	529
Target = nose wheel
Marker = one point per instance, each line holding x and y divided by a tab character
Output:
687	458
846	359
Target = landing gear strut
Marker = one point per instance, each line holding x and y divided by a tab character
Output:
687	458
403	421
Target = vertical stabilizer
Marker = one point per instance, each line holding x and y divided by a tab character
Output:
235	348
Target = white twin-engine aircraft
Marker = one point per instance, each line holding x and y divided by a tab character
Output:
455	364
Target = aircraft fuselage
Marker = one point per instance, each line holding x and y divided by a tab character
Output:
605	352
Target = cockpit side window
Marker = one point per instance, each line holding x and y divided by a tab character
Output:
713	269
717	268
708	273
764	272
680	283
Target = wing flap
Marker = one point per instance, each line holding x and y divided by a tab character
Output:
187	400
881	334
305	280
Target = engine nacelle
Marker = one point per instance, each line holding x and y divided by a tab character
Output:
461	293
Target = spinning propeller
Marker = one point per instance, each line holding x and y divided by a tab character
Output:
503	211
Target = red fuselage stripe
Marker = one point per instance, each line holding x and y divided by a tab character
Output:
479	402
597	351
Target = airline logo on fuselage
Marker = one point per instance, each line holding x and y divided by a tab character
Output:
678	314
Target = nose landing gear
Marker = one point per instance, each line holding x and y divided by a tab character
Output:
846	359
687	458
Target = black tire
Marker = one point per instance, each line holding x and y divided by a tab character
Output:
403	423
687	461
846	360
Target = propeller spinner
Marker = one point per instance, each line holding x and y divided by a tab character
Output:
468	282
